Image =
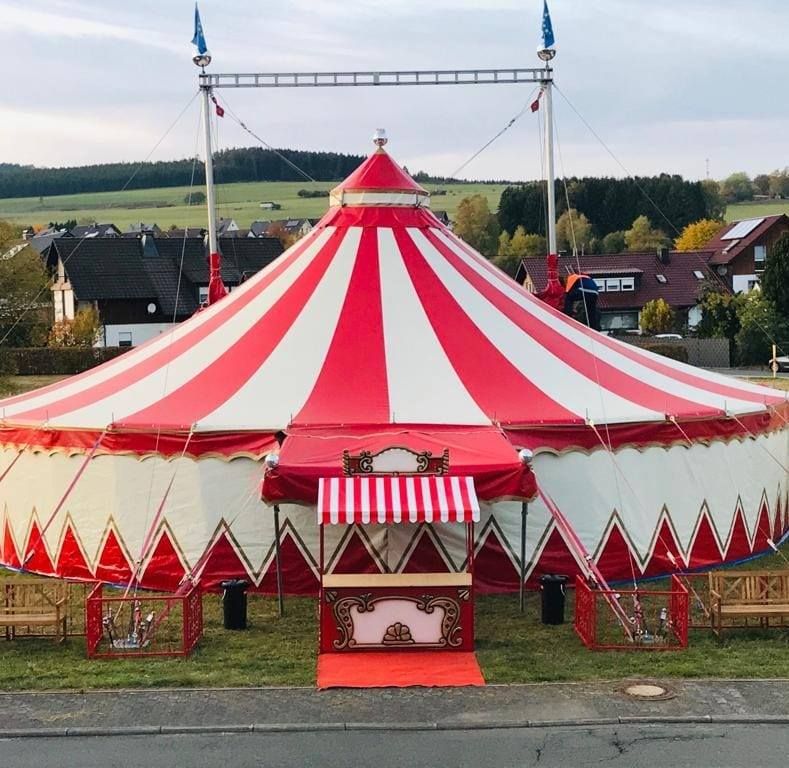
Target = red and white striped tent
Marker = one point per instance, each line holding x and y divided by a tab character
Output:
382	328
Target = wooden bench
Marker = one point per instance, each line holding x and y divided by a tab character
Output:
748	594
33	603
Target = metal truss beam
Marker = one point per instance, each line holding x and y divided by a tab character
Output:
389	78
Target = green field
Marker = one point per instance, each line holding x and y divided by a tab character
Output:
739	211
165	206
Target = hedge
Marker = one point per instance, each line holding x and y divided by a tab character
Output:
46	361
674	351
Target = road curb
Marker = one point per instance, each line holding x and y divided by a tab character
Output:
175	730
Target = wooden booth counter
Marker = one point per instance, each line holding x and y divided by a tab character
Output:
398	611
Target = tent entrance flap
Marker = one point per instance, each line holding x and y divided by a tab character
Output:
397	499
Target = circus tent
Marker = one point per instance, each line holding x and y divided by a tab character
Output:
382	328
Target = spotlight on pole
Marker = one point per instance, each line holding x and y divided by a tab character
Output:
526	456
271	461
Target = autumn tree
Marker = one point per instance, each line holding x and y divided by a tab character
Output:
696	235
475	224
82	331
761	326
642	236
513	249
573	230
775	280
779	183
657	317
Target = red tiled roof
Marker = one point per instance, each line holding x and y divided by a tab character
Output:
680	289
718	245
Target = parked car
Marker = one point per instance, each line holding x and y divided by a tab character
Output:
782	362
667	336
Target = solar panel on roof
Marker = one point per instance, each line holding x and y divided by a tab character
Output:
741	229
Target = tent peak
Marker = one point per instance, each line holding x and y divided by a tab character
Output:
380	181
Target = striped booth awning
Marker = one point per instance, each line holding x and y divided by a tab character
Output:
401	499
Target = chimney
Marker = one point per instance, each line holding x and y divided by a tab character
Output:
663	254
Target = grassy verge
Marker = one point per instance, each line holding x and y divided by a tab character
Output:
511	647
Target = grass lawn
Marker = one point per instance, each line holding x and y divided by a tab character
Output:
778	382
738	211
239	201
15	385
512	648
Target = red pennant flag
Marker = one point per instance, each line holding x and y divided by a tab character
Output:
535	105
219	111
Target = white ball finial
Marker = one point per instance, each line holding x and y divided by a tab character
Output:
271	461
379	137
526	456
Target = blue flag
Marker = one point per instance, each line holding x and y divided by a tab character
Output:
199	38
547	27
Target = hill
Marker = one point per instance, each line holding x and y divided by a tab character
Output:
240	201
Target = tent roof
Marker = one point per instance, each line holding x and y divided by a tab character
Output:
382	316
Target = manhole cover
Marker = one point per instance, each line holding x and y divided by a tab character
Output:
651	691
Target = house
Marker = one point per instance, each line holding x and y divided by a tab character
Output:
225	227
627	281
180	234
135	230
443	217
739	251
259	228
95	230
142	286
43	239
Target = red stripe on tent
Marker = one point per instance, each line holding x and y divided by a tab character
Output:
348	389
649	361
219	381
484	370
582	360
356	499
156	361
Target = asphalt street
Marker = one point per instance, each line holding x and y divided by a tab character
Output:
667	746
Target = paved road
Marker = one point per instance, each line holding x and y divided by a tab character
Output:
634	746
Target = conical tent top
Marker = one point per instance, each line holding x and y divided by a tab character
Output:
379	180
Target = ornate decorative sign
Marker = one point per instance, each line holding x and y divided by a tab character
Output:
395	461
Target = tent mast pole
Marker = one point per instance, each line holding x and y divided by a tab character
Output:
524	516
205	93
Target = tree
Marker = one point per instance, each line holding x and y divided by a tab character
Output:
760	327
713	199
513	249
573	229
475	224
657	317
737	187
761	184
696	235
775	281
195	198
779	183
643	237
82	331
277	229
25	302
614	242
719	313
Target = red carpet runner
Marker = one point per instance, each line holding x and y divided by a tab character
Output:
398	669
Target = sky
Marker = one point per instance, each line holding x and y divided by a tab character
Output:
678	86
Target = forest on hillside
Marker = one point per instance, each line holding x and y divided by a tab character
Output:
243	164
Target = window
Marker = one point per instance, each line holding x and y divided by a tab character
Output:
760	253
612	284
661	278
619	321
600	285
202	294
698	274
124	338
628	283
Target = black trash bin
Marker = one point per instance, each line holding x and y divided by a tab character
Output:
234	603
552	588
